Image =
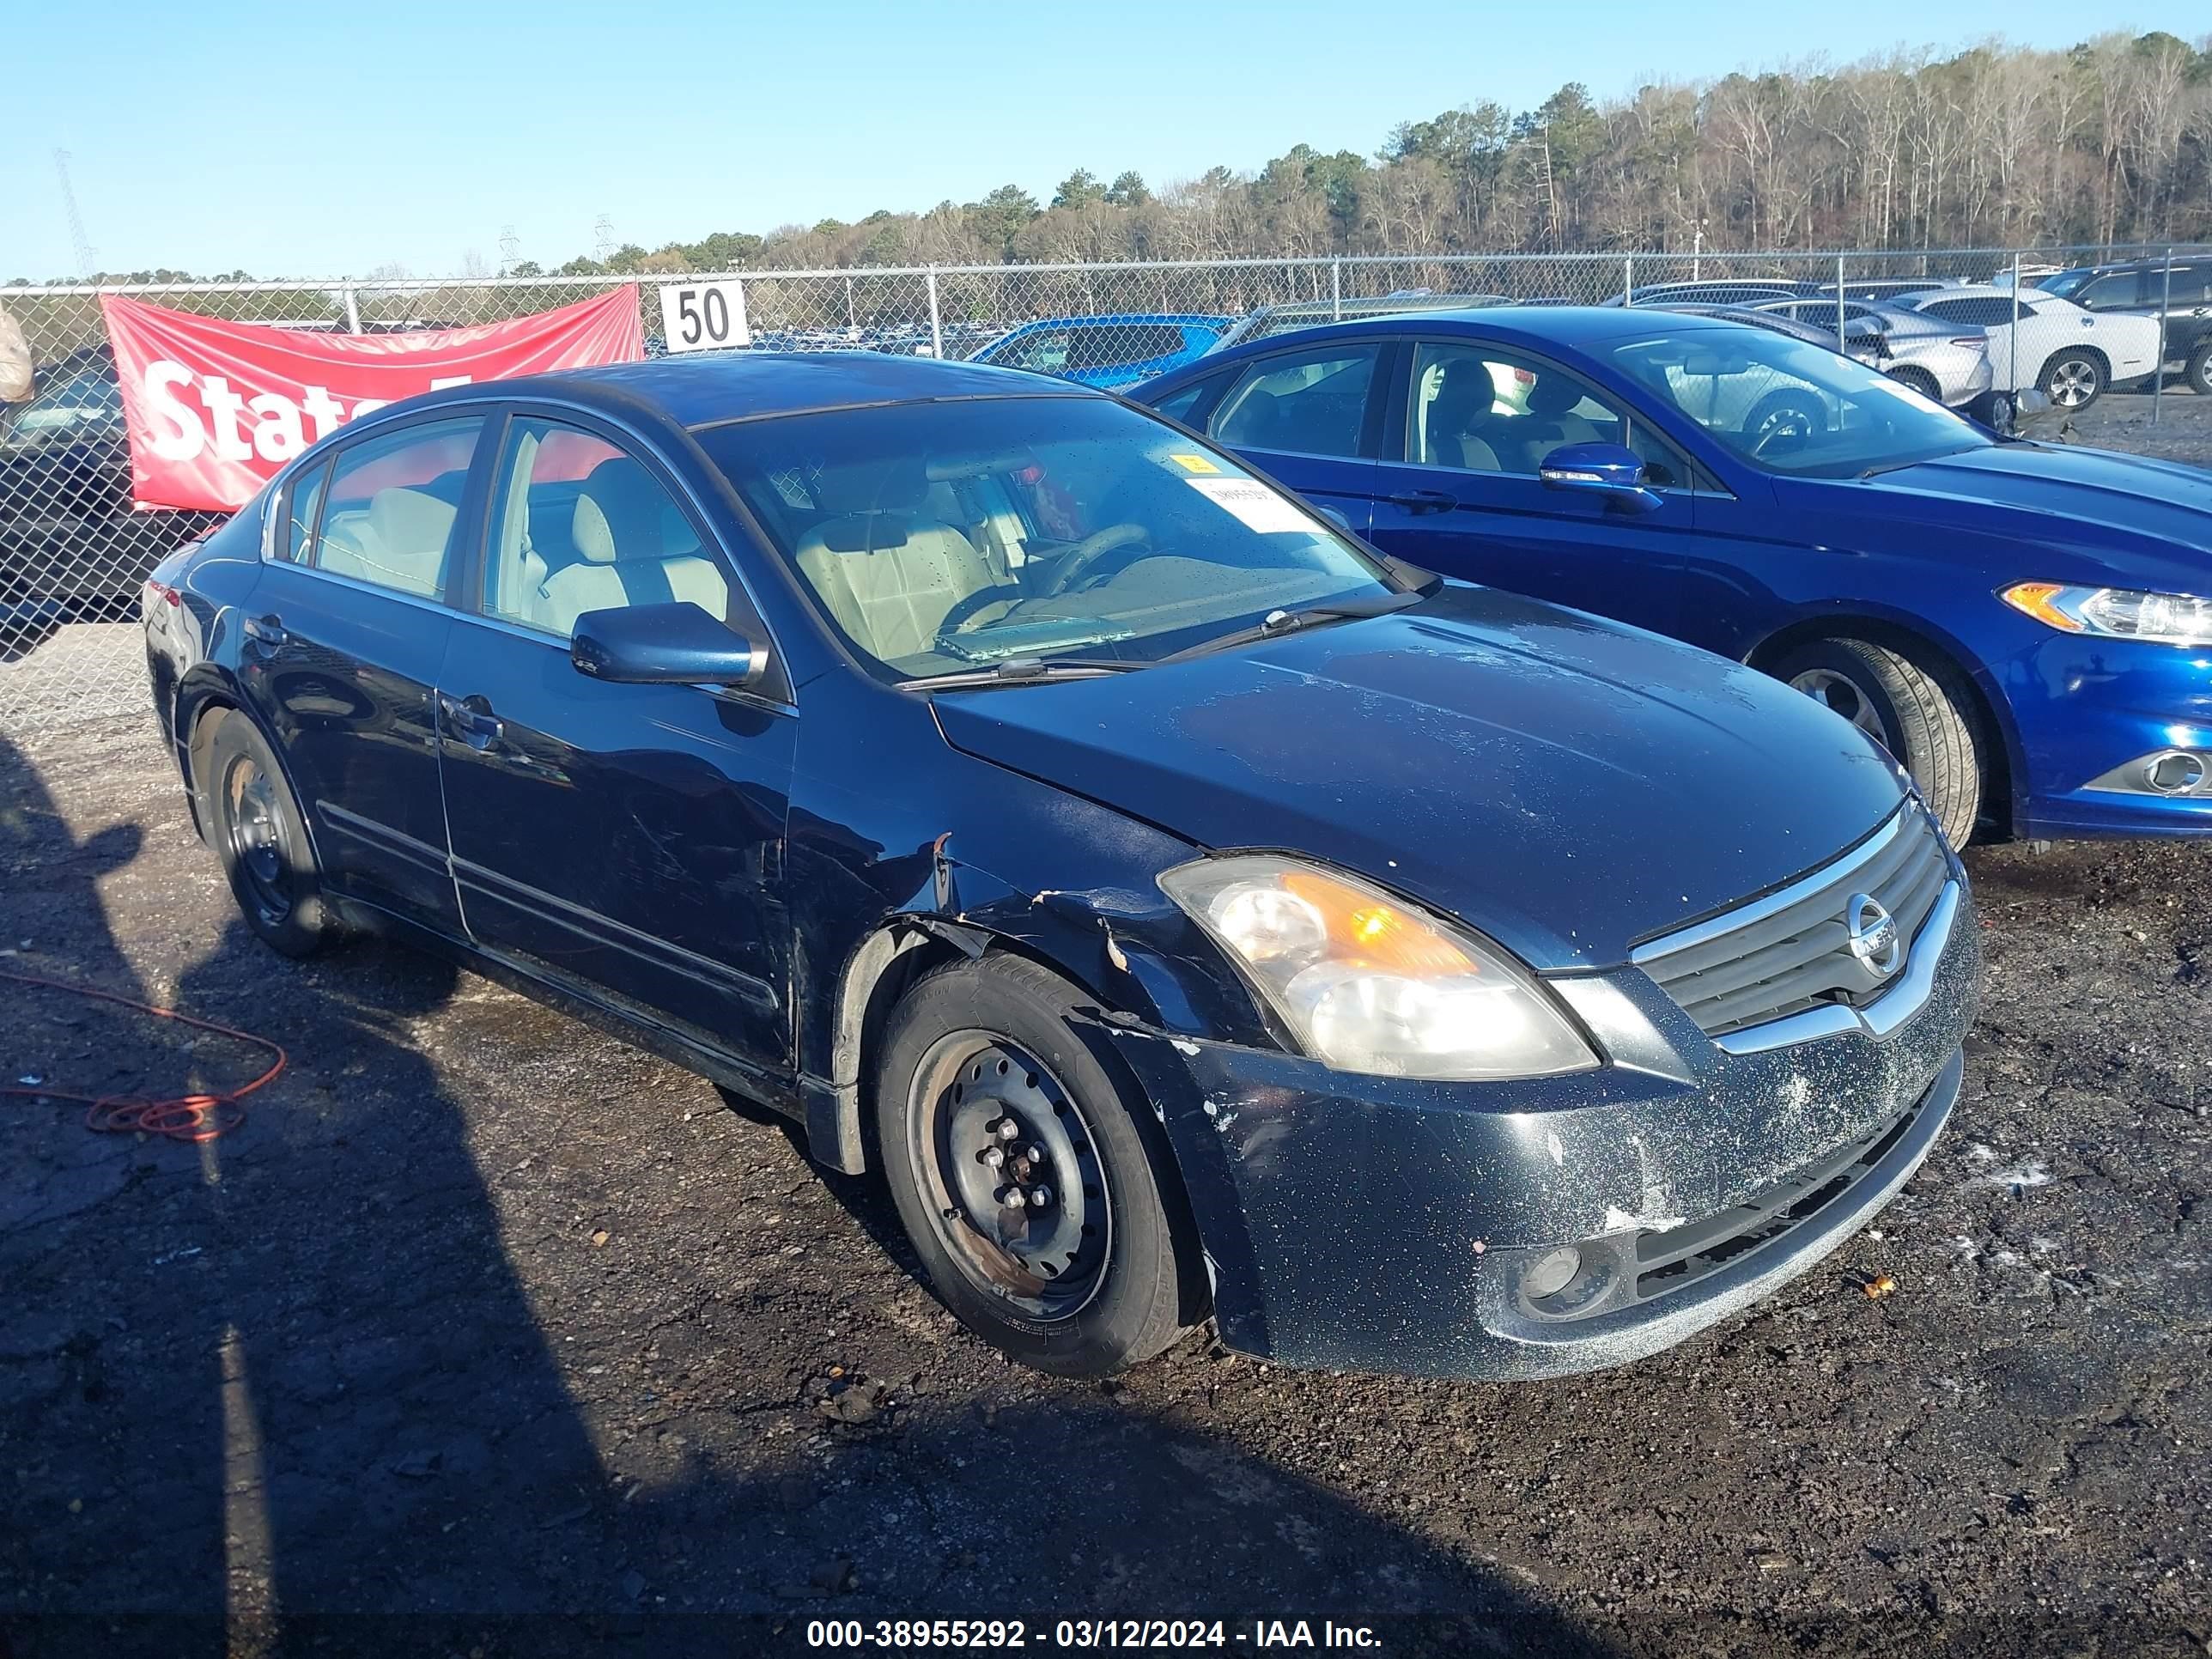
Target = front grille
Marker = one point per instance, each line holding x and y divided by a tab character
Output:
1791	950
1677	1258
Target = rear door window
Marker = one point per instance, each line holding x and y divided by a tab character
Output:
393	506
1303	402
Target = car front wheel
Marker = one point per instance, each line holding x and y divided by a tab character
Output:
1031	1187
2197	370
2074	380
1919	712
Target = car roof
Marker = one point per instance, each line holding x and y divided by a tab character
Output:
703	390
1118	317
1558	327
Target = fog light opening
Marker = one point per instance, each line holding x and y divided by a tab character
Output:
1551	1273
2177	772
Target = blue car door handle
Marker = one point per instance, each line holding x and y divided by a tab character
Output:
266	630
471	721
1424	500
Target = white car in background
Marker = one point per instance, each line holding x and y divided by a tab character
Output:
2071	356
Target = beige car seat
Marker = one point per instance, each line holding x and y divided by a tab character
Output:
890	576
635	548
399	541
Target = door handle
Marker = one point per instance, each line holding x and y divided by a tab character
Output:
473	720
266	630
1424	500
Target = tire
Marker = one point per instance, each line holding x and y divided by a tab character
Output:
1102	1277
2073	379
2197	372
262	839
1920	381
1919	712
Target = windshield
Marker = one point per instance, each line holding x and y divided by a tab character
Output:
1791	406
946	538
2063	285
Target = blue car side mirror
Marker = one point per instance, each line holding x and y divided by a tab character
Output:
1611	471
676	643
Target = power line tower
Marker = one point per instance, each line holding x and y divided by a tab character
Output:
603	238
510	249
84	255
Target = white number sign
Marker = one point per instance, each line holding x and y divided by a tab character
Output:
704	316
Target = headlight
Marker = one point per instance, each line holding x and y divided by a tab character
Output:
1370	983
2120	613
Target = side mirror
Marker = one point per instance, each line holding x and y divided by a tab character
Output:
1334	516
1612	472
671	644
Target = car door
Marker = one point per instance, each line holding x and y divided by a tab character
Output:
344	632
1459	493
623	840
2016	353
1309	417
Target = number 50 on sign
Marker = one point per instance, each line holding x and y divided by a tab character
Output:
703	316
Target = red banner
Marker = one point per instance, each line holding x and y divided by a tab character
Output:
213	408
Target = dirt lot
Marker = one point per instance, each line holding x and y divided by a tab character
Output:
486	1335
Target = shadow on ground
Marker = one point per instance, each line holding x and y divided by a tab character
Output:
286	1392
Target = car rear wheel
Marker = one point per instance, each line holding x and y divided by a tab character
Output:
263	841
2073	379
1918	712
1920	381
2197	370
1029	1180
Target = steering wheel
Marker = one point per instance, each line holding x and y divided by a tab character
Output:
1076	562
956	618
1782	420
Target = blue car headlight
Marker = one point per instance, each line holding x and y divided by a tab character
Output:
1367	983
2118	613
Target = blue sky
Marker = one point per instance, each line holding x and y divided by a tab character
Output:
326	140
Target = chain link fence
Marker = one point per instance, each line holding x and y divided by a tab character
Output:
1962	326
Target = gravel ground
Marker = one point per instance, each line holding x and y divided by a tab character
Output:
2182	431
487	1335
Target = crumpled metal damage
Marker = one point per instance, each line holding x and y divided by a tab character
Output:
1351	1221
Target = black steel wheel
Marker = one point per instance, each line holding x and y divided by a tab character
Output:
258	833
1032	1178
1011	1174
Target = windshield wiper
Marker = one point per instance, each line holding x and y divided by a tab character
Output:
1016	671
1276	624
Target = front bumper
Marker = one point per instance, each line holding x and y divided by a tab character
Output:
1375	1224
2087	707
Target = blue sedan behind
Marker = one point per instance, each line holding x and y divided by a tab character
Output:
2025	625
1109	351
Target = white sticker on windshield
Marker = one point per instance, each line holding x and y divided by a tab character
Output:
1255	505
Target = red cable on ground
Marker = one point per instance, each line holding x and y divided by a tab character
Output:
180	1117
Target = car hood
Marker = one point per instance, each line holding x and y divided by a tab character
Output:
1565	784
2091	500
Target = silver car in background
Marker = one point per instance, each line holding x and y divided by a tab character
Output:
1948	362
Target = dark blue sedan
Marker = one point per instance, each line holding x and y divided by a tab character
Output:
1187	912
2027	626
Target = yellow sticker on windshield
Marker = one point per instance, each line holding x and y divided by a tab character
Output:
1193	463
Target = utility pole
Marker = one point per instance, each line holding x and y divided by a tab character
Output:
510	248
603	238
84	259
